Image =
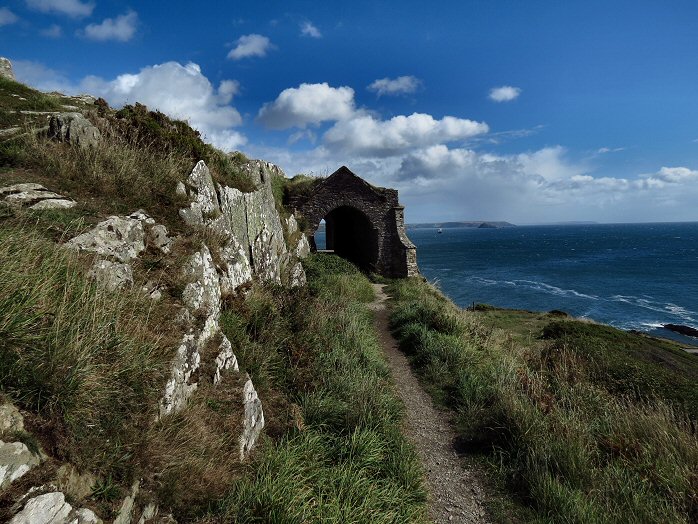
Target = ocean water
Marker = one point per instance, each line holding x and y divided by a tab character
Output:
631	276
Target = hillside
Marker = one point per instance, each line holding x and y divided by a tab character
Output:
171	351
166	355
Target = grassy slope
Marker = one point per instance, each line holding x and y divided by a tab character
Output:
89	366
553	415
335	452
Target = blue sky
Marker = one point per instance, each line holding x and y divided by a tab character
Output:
533	111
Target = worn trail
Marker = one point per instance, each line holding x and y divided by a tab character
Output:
455	493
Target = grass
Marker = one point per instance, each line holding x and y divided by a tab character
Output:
91	364
16	97
572	443
139	149
334	451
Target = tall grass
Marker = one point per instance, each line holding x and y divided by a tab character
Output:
90	362
575	451
341	457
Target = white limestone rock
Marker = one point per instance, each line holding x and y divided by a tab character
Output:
203	292
112	275
204	203
6	69
159	238
297	276
20	188
302	247
15	460
253	421
127	506
83	516
120	238
54	203
225	359
237	270
178	388
49	508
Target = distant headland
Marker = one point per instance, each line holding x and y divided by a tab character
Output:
484	224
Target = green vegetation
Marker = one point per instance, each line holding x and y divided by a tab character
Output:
335	452
137	164
91	364
16	97
573	416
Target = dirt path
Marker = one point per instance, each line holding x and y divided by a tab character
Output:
455	492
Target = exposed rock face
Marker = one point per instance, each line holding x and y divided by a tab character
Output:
254	419
52	508
73	128
15	461
6	69
112	275
34	196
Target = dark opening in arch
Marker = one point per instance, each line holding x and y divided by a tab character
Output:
350	234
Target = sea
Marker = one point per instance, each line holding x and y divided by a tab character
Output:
631	276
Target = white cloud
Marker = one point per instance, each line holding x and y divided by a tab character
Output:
504	93
7	17
122	28
395	86
74	8
365	135
307	104
308	29
604	150
673	175
182	92
250	45
41	77
54	31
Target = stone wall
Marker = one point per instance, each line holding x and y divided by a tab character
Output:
395	256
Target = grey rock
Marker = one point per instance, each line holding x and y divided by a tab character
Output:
237	270
6	68
159	238
76	485
126	510
225	359
142	216
20	188
122	239
112	275
302	247
203	292
11	420
178	388
253	423
297	276
49	508
83	516
148	513
73	128
59	203
15	461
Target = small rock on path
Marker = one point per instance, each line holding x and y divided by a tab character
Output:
455	491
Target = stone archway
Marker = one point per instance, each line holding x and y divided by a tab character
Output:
350	234
365	223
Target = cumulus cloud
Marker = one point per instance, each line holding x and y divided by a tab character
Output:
54	31
395	86
74	8
307	104
250	45
504	93
182	92
7	17
308	29
366	135
122	28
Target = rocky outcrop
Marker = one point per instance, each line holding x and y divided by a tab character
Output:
16	459
681	329
117	242
6	69
52	508
73	128
33	196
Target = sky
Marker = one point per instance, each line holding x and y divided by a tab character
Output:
537	111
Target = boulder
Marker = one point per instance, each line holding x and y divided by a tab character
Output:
6	69
159	238
202	294
49	508
112	275
34	196
120	238
225	360
73	128
179	387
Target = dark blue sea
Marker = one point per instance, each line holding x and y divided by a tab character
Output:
632	276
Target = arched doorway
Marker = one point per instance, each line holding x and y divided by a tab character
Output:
350	234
